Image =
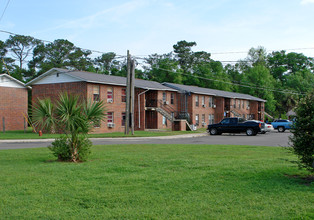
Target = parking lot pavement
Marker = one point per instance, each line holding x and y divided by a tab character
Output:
274	139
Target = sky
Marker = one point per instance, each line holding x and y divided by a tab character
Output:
225	28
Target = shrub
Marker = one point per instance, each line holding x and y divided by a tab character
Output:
74	118
60	149
302	141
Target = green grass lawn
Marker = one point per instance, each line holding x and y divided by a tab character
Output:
155	182
30	135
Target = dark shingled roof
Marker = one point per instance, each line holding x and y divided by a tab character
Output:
113	80
213	92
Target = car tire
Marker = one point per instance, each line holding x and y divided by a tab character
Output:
250	132
281	129
213	131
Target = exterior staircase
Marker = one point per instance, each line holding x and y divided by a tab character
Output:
235	113
168	116
268	115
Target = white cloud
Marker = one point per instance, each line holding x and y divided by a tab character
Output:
305	2
95	20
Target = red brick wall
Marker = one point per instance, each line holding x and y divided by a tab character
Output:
200	110
13	103
53	91
117	107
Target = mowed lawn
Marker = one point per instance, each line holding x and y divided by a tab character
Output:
155	182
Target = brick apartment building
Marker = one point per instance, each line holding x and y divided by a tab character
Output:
13	103
156	106
207	106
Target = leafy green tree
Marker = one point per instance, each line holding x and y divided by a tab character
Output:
260	84
302	141
60	54
6	63
183	51
106	63
21	47
162	68
257	56
74	119
282	64
235	75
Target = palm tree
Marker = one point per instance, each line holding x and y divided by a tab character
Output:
71	117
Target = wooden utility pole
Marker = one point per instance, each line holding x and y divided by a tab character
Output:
129	109
132	95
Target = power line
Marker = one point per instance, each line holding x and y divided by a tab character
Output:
237	84
5	9
47	41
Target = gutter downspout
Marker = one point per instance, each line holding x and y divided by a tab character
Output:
139	107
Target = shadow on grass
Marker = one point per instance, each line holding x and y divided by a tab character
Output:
306	180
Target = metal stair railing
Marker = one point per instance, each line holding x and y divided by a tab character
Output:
268	115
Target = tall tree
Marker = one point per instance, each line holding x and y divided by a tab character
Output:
261	84
257	56
21	47
61	54
162	68
183	51
106	63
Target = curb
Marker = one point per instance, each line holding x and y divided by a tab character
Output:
122	138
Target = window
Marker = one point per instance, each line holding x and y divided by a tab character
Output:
247	104
196	101
110	95
96	89
225	121
239	103
242	103
210	102
203	119
123	119
197	119
172	99
123	95
164	97
164	120
211	119
172	115
109	117
233	120
203	100
234	103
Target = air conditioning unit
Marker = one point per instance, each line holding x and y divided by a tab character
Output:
110	125
166	102
204	106
109	101
214	106
204	123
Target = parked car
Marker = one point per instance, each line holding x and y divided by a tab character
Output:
263	126
235	125
269	127
282	124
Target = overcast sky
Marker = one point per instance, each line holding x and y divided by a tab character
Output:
154	26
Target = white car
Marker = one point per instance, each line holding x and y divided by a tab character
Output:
269	127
